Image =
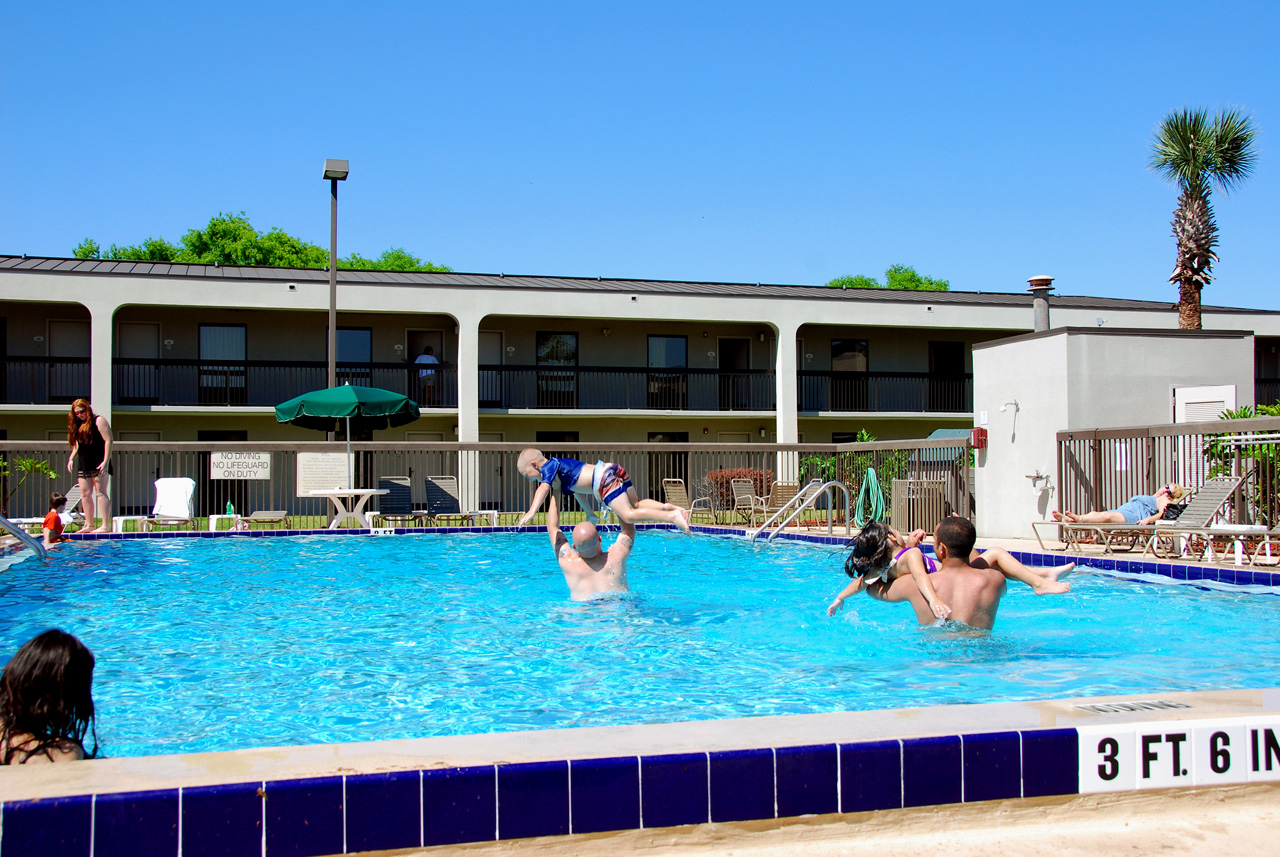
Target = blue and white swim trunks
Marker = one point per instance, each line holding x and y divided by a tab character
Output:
608	481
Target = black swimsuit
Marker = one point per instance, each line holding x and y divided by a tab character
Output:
89	455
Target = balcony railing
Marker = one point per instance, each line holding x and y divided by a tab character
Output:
1266	391
626	388
43	380
265	383
911	392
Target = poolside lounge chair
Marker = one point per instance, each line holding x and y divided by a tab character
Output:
175	505
279	517
397	504
745	501
677	495
1159	537
443	506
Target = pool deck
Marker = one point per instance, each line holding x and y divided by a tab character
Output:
1056	802
1209	822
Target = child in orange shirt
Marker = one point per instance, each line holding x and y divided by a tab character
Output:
53	521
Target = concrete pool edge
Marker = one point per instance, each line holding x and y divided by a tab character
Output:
661	774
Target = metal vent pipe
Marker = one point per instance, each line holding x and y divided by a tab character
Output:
1041	285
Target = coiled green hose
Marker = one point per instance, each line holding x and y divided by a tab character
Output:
871	495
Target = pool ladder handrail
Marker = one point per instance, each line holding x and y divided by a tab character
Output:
807	498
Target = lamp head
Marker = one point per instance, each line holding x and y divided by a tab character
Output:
1006	405
335	168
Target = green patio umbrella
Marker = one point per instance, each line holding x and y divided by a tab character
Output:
361	408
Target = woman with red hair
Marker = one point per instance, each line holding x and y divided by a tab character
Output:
89	437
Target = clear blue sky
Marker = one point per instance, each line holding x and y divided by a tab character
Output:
784	143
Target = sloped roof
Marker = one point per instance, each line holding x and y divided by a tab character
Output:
421	279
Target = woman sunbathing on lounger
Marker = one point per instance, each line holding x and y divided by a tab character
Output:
882	553
1141	509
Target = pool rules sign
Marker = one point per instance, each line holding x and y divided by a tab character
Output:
239	465
1177	753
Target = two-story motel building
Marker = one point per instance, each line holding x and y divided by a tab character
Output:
197	352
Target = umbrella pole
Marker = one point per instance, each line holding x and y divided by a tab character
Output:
350	476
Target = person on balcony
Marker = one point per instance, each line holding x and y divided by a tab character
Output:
427	374
89	437
606	482
1141	509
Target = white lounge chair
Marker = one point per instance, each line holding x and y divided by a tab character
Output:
175	506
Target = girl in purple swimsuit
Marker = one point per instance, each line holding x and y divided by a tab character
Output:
873	558
882	553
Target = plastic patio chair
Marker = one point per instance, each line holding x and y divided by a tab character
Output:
677	495
746	502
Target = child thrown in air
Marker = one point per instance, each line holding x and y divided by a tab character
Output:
881	553
606	482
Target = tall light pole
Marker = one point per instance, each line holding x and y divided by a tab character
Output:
335	171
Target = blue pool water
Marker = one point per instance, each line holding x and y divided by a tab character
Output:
216	644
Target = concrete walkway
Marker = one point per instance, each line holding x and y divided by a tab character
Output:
1220	822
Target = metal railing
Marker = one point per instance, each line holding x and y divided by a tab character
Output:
266	383
43	380
914	392
707	470
1266	391
1102	468
626	388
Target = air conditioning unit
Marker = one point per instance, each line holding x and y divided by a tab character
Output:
917	504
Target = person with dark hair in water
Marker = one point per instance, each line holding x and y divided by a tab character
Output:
971	583
46	702
881	553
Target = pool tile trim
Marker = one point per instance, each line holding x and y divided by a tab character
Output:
514	799
1221	577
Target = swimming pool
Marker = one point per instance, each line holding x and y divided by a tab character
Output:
216	644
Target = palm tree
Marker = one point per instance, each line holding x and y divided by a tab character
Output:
1198	152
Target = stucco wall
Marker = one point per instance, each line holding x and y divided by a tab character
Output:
1069	379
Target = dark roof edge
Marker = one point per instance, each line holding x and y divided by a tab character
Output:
1114	331
277	275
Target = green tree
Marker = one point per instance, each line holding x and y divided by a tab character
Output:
230	239
1197	152
860	281
895	277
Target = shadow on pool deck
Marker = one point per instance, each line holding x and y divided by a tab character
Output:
1207	822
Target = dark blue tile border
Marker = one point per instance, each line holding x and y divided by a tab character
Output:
304	817
384	811
133	823
870	776
533	799
221	821
992	766
673	790
931	771
742	786
1050	762
808	780
605	794
459	805
55	827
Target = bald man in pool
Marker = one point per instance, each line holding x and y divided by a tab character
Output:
588	569
971	588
